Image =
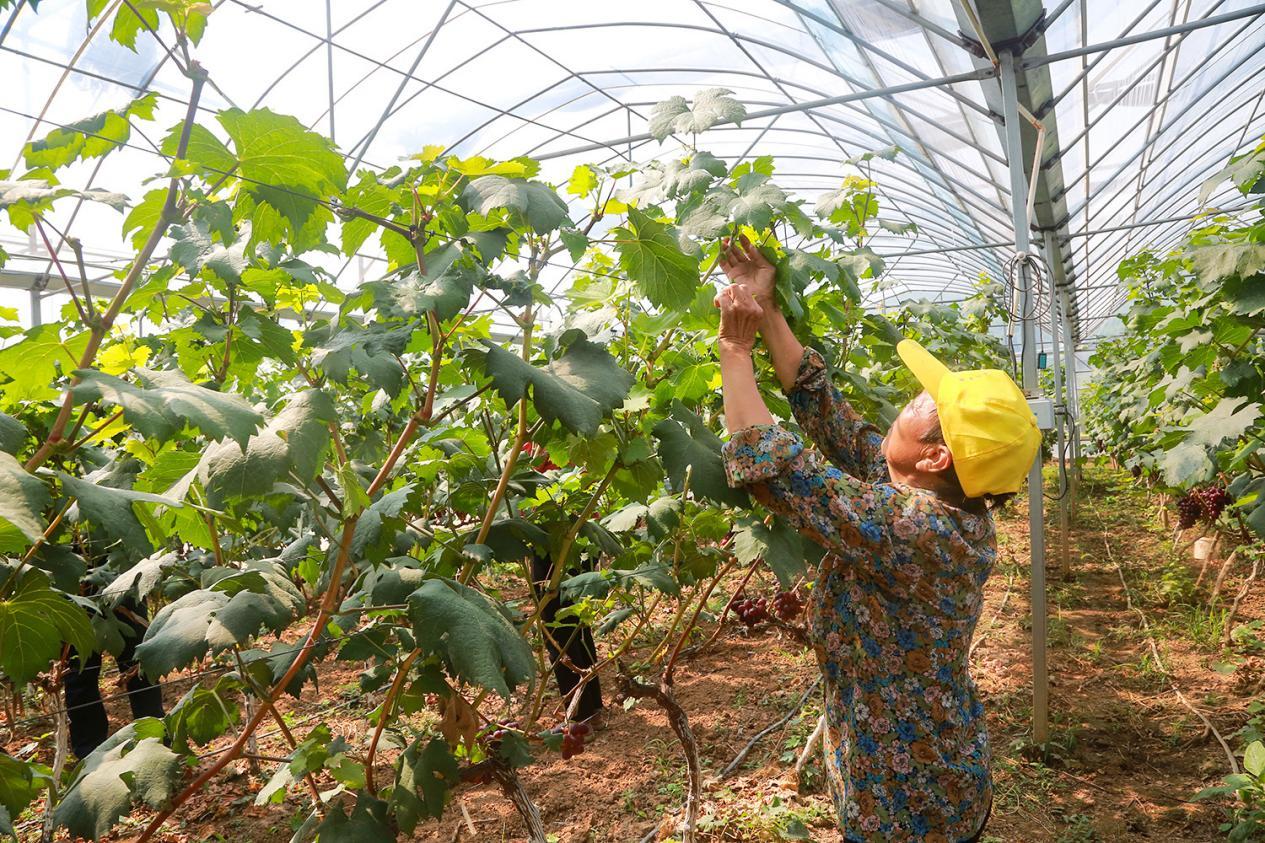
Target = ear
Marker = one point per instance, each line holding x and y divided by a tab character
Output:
935	458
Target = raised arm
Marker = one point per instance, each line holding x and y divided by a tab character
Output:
846	439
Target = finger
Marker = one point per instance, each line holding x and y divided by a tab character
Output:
752	253
736	255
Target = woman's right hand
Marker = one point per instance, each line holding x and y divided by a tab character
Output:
744	264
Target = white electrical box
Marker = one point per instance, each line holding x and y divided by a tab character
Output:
1043	409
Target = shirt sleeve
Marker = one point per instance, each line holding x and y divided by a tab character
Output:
830	506
846	439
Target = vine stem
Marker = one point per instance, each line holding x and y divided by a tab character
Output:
318	805
720	624
387	705
670	667
102	327
328	604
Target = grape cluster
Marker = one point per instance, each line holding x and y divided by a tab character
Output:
573	736
498	734
1206	503
1188	511
751	611
787	605
1212	499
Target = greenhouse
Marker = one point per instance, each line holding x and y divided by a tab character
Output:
750	420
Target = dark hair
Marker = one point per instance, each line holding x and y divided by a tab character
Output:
984	503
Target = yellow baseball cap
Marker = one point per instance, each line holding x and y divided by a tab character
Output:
987	424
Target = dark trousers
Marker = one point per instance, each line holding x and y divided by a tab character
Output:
576	640
89	726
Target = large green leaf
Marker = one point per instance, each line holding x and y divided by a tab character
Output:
110	510
18	788
372	351
535	203
1228	420
35	620
195	249
426	775
288	167
367	824
26	198
23	498
444	288
36	361
781	547
471	634
132	766
686	443
205	713
578	388
12	434
711	106
217	618
1214	262
164	402
294	440
652	257
94	137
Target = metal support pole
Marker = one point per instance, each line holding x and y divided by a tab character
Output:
1073	397
1058	319
36	316
1036	500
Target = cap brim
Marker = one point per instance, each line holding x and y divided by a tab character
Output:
928	370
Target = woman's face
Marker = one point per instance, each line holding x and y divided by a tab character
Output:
910	459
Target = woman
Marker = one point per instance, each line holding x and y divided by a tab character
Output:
906	521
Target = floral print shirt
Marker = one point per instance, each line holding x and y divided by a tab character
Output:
891	617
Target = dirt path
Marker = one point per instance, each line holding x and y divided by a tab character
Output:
1124	760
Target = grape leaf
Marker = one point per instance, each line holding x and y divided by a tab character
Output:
94	137
534	203
294	440
471	634
1228	420
205	713
781	547
34	622
110	510
26	198
686	443
367	823
288	167
210	619
578	388
426	775
652	257
712	106
131	766
165	401
1214	262
22	498
18	788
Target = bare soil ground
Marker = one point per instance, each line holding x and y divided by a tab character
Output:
1124	760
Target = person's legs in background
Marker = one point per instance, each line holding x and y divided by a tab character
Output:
89	724
577	643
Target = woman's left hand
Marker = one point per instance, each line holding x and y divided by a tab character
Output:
740	317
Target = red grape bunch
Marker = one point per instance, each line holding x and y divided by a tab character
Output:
787	605
1188	511
498	734
1205	503
751	611
1213	499
573	736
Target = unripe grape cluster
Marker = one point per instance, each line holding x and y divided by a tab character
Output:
573	736
1204	503
787	605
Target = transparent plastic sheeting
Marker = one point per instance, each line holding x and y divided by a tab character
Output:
1139	126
